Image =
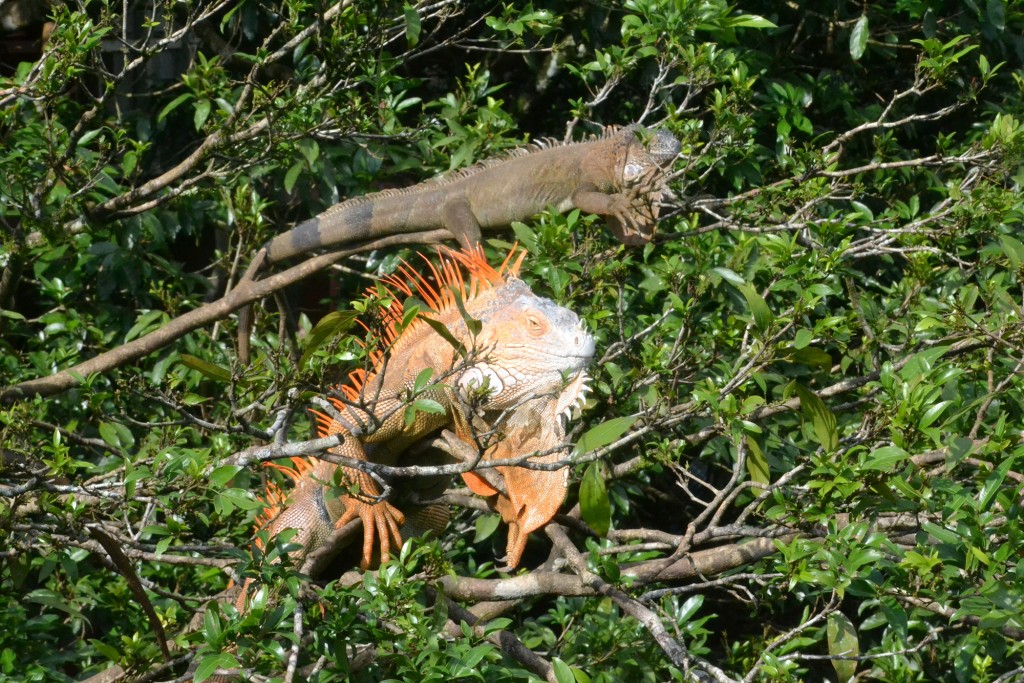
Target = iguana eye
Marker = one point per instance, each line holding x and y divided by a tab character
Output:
534	325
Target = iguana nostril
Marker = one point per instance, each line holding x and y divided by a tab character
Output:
584	343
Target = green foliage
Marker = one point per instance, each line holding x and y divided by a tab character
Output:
808	392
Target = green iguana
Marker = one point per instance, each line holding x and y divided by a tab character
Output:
617	175
505	388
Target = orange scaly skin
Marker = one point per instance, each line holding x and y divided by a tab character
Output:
521	374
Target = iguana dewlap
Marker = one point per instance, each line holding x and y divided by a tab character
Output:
508	390
618	175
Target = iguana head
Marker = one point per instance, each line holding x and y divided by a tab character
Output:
527	347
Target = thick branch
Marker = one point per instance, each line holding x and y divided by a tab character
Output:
247	292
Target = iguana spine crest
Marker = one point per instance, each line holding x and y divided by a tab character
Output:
538	145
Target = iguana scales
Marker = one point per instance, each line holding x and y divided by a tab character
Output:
617	175
506	388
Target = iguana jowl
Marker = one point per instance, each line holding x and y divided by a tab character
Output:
617	175
508	386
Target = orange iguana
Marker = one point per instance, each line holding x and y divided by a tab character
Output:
617	175
518	370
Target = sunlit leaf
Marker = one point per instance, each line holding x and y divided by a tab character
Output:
603	434
595	507
859	37
822	419
842	642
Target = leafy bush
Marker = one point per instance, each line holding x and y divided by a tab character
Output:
800	451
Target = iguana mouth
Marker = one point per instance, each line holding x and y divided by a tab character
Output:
573	397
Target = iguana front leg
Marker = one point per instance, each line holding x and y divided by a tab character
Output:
380	436
631	214
461	222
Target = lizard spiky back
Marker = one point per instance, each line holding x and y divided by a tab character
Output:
461	278
537	145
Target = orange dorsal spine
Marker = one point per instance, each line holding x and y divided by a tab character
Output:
462	276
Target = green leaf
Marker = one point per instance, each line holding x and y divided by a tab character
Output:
941	533
173	104
48	598
580	675
310	150
603	434
842	642
563	674
932	414
749	21
424	405
223	474
757	464
209	370
811	356
885	458
689	608
422	380
486	525
89	136
145	322
210	663
802	338
292	176
1013	248
442	330
525	236
202	112
822	419
107	651
758	308
595	507
959	448
330	326
994	482
859	38
412	25
475	656
996	12
729	276
109	434
472	324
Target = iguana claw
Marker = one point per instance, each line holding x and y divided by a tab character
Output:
634	219
379	520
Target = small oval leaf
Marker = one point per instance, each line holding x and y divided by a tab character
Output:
859	37
842	642
205	368
595	508
604	434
